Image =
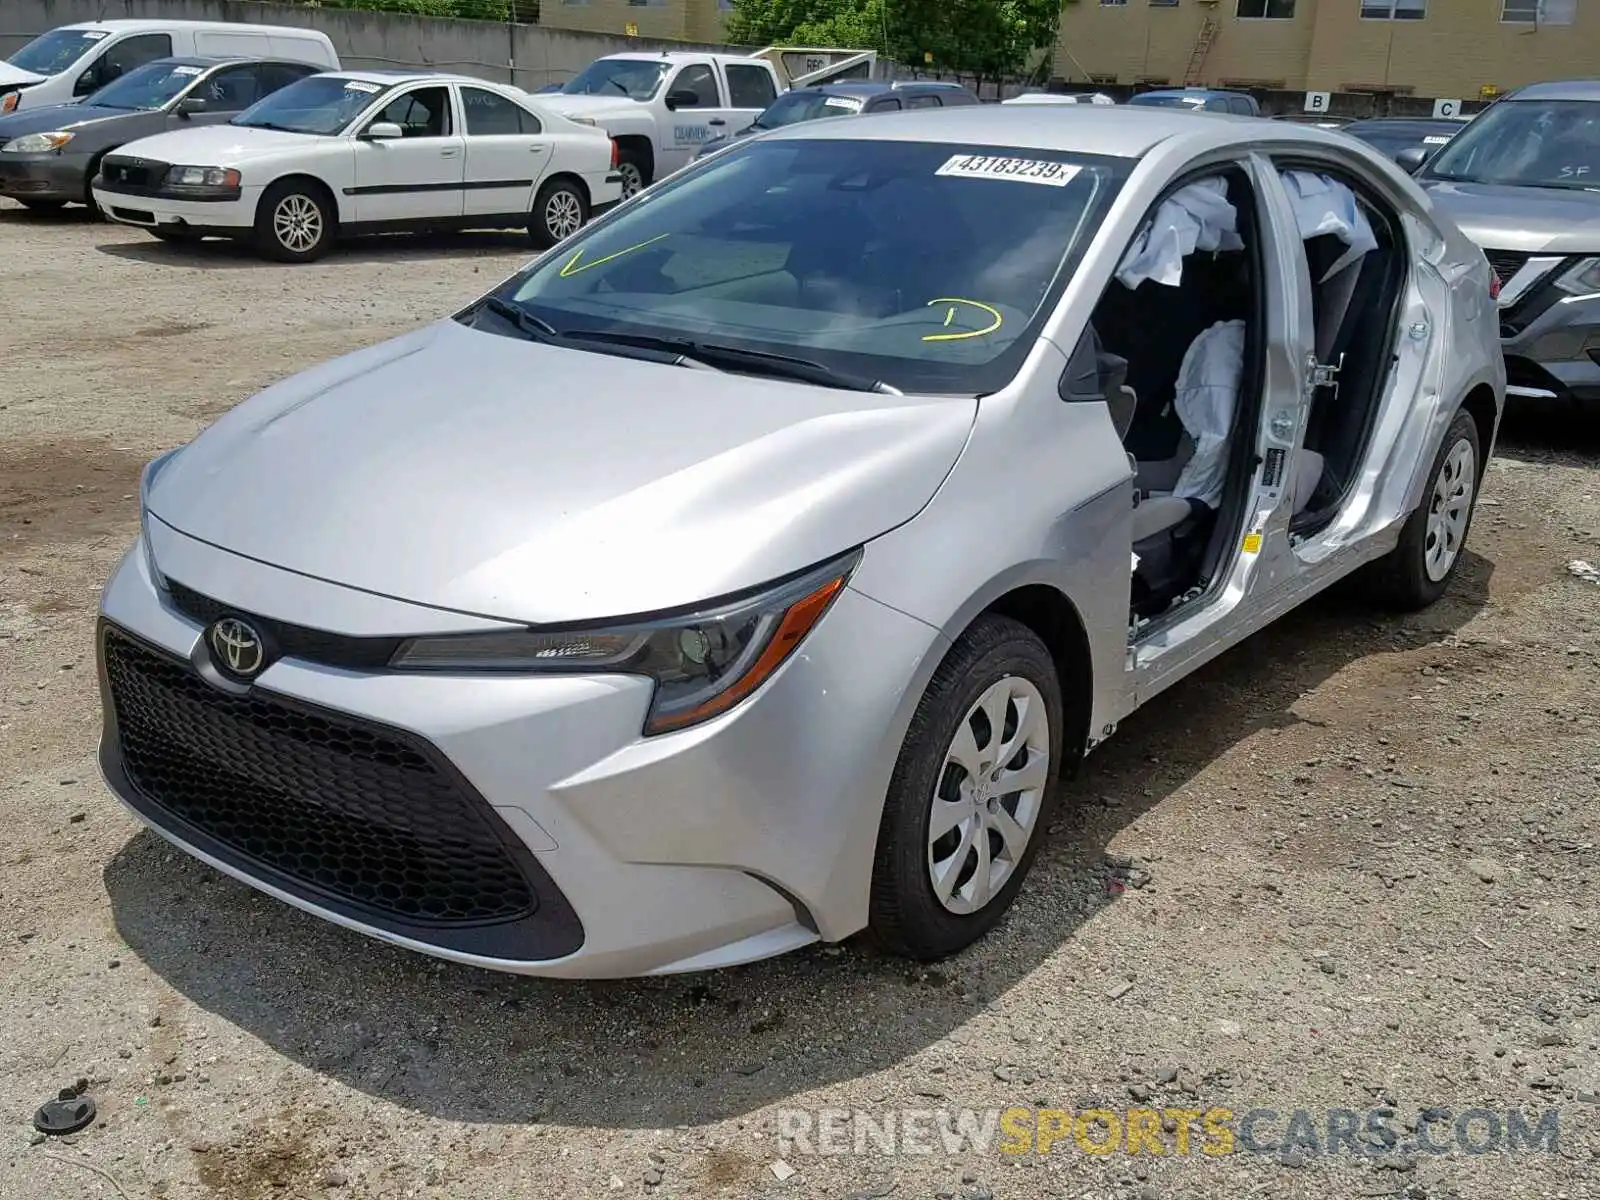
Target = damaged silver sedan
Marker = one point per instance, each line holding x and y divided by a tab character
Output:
745	571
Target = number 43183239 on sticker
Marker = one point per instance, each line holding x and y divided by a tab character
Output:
1018	170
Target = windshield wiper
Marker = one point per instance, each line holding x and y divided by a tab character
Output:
781	366
536	327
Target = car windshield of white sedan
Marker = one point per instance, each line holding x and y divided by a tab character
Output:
53	52
319	104
146	88
1528	143
922	266
634	78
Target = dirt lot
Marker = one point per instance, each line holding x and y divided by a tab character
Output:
1363	871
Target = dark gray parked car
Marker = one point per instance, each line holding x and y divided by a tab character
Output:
48	155
1523	181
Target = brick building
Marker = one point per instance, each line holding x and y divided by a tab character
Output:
1437	48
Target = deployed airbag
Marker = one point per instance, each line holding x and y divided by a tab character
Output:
1324	205
1198	216
1207	394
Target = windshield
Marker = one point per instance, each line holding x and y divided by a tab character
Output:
806	106
1168	101
928	266
146	87
321	104
1392	139
634	78
53	52
1528	143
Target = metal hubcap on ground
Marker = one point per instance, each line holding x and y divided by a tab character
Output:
988	795
632	180
1448	510
563	214
297	223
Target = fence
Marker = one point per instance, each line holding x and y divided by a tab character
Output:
529	56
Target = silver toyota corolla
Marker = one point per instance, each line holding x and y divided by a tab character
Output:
746	570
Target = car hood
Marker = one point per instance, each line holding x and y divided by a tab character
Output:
1531	219
468	471
60	116
588	106
12	76
219	145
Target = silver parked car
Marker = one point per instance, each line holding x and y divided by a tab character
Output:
1523	180
746	571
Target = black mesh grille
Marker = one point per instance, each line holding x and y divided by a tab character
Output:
351	811
291	641
1506	263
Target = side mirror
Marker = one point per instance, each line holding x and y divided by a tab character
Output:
383	131
191	106
88	82
1411	159
682	98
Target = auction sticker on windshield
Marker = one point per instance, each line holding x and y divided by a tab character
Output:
1022	170
359	85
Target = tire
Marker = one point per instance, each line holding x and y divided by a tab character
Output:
996	656
1420	567
294	222
42	207
559	211
635	175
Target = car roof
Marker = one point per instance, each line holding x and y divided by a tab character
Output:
1114	131
142	24
1561	89
398	75
861	87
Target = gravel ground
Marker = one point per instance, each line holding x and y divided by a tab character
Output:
1350	865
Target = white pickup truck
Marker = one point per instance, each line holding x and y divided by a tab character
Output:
661	108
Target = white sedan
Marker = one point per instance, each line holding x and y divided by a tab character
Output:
352	152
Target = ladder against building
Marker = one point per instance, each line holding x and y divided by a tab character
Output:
1202	47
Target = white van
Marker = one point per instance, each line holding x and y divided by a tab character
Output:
66	64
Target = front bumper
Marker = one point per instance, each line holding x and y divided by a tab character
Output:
1552	346
742	838
218	218
50	176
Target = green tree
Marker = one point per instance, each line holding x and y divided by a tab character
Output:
852	24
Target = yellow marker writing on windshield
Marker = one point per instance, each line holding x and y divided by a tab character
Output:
950	315
572	267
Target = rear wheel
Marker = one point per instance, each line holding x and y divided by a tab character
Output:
294	222
1419	569
972	792
559	211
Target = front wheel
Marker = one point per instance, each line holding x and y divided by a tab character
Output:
634	177
972	792
559	211
1419	569
293	223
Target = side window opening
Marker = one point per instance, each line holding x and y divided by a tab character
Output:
233	89
1175	350
488	114
749	86
697	78
1356	267
422	113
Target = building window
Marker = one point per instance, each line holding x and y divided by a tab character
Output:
1163	3
1393	10
646	3
1113	3
1271	10
1539	12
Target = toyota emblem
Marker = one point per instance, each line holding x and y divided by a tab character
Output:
237	648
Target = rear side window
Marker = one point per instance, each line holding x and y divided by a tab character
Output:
750	87
492	115
887	104
233	89
922	102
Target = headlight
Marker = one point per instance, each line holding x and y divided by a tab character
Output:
146	479
703	663
202	177
1582	279
36	143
